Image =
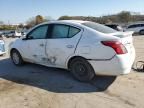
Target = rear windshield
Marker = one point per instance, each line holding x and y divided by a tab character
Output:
99	27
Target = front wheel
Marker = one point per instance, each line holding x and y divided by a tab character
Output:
81	69
16	58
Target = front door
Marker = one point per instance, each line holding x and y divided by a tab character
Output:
35	44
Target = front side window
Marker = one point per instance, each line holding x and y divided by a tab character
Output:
39	33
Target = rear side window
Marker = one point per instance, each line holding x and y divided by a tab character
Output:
99	27
60	31
73	31
64	31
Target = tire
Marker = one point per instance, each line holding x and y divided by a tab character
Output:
141	32
81	70
16	58
7	36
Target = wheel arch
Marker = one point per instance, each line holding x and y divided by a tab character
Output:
13	50
72	58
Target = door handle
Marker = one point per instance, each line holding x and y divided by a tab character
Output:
41	45
70	46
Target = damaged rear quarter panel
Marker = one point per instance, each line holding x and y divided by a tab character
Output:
90	47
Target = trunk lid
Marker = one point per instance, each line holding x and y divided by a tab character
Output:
126	39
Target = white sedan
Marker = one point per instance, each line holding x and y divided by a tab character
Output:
85	48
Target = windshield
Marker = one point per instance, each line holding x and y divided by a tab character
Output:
99	27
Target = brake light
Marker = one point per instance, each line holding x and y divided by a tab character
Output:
116	45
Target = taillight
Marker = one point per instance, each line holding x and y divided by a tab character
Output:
116	45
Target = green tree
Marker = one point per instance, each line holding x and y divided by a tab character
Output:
64	18
124	16
39	19
21	26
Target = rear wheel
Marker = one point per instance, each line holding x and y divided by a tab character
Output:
16	58
141	32
81	69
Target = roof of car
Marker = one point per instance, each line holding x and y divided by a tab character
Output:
67	21
74	21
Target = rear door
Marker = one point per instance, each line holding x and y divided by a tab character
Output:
62	43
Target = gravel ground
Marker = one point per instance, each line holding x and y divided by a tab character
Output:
35	86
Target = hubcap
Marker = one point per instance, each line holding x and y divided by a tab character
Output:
15	58
80	69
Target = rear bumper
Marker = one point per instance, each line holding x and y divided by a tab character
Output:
119	65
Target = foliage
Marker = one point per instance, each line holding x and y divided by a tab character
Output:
65	18
122	17
7	27
39	19
36	20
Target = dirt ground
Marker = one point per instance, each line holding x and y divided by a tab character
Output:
34	86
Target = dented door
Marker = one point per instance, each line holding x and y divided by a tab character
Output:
35	44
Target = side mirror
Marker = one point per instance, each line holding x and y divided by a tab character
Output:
24	38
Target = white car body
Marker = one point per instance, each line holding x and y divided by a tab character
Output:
136	28
2	47
86	44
